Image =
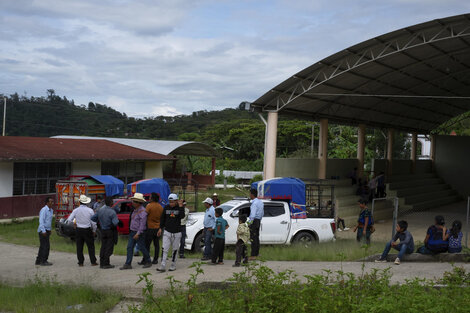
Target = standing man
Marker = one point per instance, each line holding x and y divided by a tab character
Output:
137	225
154	212
209	225
108	220
170	225
85	230
98	203
256	214
44	232
183	229
215	200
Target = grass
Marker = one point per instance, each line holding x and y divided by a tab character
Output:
25	233
50	297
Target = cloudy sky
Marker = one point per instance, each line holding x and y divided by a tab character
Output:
153	57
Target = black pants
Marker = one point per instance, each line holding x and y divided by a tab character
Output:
44	247
218	250
240	251
151	236
340	221
85	235
107	246
381	192
183	239
254	237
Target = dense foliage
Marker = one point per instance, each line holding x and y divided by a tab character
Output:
238	135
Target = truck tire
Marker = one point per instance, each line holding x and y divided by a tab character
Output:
304	238
198	244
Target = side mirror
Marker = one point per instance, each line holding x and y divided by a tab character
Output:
234	213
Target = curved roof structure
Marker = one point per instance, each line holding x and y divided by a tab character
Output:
412	79
165	147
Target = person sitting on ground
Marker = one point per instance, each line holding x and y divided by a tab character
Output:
219	244
243	236
339	221
454	236
434	242
405	246
365	223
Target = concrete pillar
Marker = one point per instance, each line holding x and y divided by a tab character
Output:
361	144
432	154
390	150
323	148
213	172
271	143
414	150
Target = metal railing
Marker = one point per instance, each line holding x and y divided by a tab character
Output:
320	200
395	210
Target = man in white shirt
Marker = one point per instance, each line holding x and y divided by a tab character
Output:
85	230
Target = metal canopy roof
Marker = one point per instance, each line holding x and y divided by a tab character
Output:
412	79
165	147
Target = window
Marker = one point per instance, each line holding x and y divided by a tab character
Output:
38	178
128	172
271	211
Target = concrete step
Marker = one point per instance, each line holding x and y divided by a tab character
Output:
345	191
382	214
342	183
417	190
347	200
400	178
429	196
424	205
415	183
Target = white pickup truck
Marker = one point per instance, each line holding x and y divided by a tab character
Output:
277	226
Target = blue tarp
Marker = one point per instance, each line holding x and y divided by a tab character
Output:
147	186
288	188
112	185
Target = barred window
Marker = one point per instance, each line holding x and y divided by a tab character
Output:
38	178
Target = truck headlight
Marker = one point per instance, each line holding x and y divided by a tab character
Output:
191	222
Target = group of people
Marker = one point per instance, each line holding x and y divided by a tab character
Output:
247	230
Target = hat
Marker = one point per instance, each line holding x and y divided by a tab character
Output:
173	196
84	199
138	197
215	195
208	200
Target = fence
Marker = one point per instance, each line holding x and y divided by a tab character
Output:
386	208
320	200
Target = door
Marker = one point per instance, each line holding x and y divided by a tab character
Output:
232	220
275	224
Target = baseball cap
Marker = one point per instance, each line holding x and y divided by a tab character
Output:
173	196
208	200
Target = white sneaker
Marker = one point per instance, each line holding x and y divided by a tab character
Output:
161	268
339	229
346	228
397	261
172	267
381	261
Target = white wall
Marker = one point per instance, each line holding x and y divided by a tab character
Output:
153	169
86	168
6	179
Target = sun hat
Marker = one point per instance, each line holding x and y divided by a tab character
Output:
208	200
173	196
138	197
84	199
215	195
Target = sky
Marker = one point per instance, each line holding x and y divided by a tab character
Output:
171	57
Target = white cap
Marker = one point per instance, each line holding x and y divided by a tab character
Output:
208	200
215	195
173	196
84	199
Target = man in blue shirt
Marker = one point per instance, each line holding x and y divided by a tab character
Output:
44	232
108	220
209	225
256	214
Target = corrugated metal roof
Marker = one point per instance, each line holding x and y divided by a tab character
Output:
412	79
39	148
165	147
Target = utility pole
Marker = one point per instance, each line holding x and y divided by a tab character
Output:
4	114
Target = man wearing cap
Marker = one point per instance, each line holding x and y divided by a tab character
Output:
209	225
170	226
256	214
137	226
85	230
108	221
215	200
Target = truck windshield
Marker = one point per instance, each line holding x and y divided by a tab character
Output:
226	207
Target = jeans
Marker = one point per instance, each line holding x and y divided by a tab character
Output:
254	236
402	248
360	235
131	244
44	247
85	235
183	239
207	243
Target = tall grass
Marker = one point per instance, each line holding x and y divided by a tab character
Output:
50	297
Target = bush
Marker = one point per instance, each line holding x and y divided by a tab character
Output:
256	178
